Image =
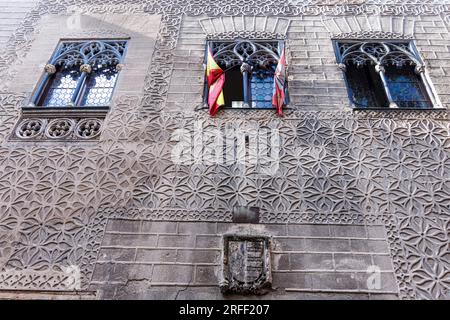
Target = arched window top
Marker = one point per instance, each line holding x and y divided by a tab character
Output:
97	53
255	53
377	52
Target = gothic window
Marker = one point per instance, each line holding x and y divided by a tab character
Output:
382	74
249	68
81	74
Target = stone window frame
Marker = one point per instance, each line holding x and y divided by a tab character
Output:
245	68
361	56
72	122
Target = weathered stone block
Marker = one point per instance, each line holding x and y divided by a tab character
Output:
114	254
334	281
299	280
156	255
197	228
311	261
120	225
206	275
344	261
176	241
181	274
311	230
129	240
158	227
198	256
208	242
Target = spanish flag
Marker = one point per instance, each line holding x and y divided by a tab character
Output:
216	79
278	97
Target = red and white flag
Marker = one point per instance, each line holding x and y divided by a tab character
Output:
216	79
279	80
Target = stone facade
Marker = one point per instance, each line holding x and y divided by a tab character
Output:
358	207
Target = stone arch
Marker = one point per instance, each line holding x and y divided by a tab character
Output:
370	27
254	26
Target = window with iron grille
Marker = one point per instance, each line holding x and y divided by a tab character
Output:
80	74
385	74
249	67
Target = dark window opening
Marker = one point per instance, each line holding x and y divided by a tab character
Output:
233	90
365	87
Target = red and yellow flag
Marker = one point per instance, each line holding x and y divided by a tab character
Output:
279	83
216	79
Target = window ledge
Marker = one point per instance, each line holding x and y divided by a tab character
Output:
58	112
399	109
38	124
237	109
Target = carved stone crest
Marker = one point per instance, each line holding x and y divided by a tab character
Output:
246	265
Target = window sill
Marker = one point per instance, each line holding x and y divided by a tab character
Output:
398	109
255	109
63	124
82	112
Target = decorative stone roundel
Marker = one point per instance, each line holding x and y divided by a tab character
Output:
88	128
66	129
59	128
30	128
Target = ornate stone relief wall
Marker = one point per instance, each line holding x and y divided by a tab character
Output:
335	167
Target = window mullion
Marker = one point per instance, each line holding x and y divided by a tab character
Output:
246	70
380	70
78	90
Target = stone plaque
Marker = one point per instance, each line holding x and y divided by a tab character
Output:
246	265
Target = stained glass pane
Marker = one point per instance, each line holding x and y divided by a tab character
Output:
261	88
61	88
406	87
99	87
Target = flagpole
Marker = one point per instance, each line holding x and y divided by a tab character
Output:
205	81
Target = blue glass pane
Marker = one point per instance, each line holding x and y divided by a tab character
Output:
61	88
261	88
99	87
406	87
